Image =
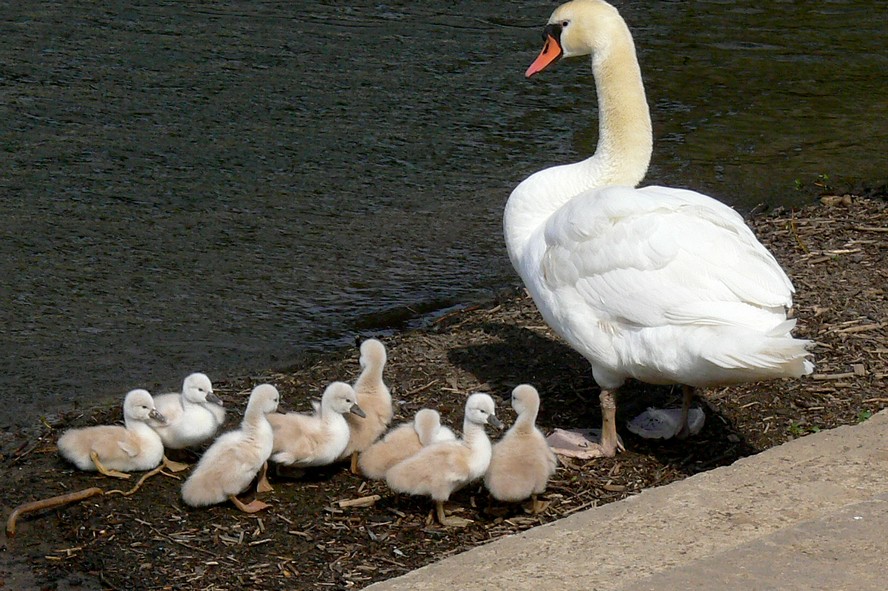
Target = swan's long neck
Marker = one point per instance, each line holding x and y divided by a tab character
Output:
624	144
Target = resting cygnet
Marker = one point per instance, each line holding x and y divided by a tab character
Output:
522	461
317	439
193	416
229	466
114	450
442	468
402	442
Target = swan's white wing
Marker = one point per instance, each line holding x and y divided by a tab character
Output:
658	256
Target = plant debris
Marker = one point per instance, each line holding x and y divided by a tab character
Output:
333	530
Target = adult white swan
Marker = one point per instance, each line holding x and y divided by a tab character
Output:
664	285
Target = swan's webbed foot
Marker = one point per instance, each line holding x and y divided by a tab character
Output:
583	444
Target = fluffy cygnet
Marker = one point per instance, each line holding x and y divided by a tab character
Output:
317	439
193	416
229	465
442	468
522	461
375	400
114	450
402	442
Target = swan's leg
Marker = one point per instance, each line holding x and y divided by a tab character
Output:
610	443
107	471
263	485
687	396
450	521
586	443
252	507
354	464
173	466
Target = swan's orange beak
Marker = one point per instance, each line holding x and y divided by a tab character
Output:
548	56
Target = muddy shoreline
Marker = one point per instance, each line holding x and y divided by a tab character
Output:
834	251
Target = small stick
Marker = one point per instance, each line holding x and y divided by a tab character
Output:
49	503
144	477
795	233
359	502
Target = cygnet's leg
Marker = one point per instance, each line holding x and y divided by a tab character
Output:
577	444
450	521
173	466
354	464
687	396
107	471
263	485
537	505
252	507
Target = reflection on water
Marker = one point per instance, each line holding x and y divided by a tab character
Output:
219	187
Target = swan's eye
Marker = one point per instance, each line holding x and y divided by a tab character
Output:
564	24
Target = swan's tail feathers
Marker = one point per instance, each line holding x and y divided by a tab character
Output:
775	355
784	329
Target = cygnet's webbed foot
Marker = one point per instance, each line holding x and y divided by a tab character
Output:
253	506
583	444
107	471
536	505
174	466
449	520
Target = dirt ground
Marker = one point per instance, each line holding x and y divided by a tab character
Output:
835	253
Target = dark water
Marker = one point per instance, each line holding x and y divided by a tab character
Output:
221	186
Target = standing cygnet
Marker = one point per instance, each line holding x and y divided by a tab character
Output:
112	449
402	442
229	466
442	468
522	460
375	400
317	439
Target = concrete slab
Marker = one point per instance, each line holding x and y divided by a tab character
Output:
842	550
805	482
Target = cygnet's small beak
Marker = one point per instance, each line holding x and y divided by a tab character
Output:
214	399
494	422
355	409
157	416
